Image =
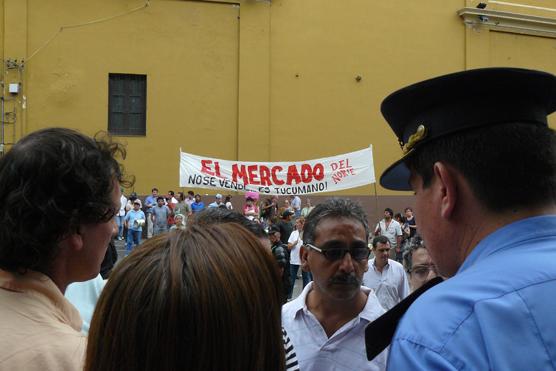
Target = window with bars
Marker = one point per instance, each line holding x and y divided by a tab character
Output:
127	104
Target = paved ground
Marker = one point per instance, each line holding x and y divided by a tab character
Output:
120	246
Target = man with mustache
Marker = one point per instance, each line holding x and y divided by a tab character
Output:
326	323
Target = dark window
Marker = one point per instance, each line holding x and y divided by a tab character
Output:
127	104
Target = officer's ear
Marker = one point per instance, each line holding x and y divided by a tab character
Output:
303	253
446	187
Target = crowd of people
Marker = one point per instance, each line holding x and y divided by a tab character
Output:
209	290
283	221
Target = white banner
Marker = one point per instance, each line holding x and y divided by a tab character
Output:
345	171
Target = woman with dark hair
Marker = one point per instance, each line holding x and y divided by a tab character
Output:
188	300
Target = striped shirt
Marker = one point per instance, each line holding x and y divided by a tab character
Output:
291	359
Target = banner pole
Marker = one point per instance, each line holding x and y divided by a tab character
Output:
376	199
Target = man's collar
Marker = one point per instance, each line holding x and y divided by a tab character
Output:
509	236
298	304
371	310
373	261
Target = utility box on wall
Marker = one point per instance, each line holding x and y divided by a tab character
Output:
13	88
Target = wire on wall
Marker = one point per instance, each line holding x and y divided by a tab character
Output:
100	20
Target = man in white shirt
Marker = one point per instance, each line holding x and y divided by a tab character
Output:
296	206
295	241
173	199
326	323
391	229
120	216
386	276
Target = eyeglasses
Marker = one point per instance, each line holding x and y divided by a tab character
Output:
422	271
336	250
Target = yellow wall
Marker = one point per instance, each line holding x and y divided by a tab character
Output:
249	80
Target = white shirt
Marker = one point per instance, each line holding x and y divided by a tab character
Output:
344	350
84	296
294	252
296	203
391	285
123	203
394	229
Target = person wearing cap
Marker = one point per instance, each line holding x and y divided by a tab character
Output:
217	202
132	198
326	322
250	209
134	221
481	159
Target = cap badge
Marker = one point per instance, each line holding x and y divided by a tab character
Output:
415	138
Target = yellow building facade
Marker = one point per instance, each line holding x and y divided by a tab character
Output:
251	80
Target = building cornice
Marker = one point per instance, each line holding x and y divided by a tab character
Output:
509	22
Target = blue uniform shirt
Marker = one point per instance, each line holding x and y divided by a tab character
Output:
497	313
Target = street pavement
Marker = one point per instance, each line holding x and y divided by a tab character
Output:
298	287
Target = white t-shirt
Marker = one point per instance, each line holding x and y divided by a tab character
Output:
294	252
123	203
296	203
393	230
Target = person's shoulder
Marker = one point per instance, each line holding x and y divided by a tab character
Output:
278	249
396	265
441	311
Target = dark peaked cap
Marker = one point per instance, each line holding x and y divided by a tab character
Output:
449	104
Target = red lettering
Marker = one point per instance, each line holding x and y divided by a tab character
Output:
351	171
347	163
342	165
264	173
306	173
334	166
275	179
293	175
253	176
239	172
318	172
217	168
205	167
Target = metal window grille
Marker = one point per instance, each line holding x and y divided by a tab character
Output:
127	104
